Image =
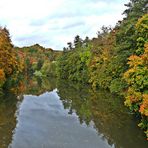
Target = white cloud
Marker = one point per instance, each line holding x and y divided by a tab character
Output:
53	23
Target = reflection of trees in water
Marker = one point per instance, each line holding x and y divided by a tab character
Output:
7	118
110	117
76	98
8	105
34	85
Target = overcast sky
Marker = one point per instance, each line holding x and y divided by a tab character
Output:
53	23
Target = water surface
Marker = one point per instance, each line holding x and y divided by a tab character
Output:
66	115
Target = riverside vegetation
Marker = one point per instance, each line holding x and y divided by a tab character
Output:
117	60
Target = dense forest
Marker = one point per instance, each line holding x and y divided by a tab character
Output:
117	60
17	64
38	60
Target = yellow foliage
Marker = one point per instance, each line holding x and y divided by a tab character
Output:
136	78
142	24
132	96
135	60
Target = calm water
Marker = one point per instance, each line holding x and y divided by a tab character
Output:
50	114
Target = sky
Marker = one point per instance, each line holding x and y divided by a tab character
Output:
54	23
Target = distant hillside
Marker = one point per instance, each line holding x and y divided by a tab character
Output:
36	52
37	58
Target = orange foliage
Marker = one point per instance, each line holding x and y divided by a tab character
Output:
8	59
144	106
2	76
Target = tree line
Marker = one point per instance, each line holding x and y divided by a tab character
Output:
17	64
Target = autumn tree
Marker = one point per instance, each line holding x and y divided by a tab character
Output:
137	74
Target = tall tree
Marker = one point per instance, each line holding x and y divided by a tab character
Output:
77	42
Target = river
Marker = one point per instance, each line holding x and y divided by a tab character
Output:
58	114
